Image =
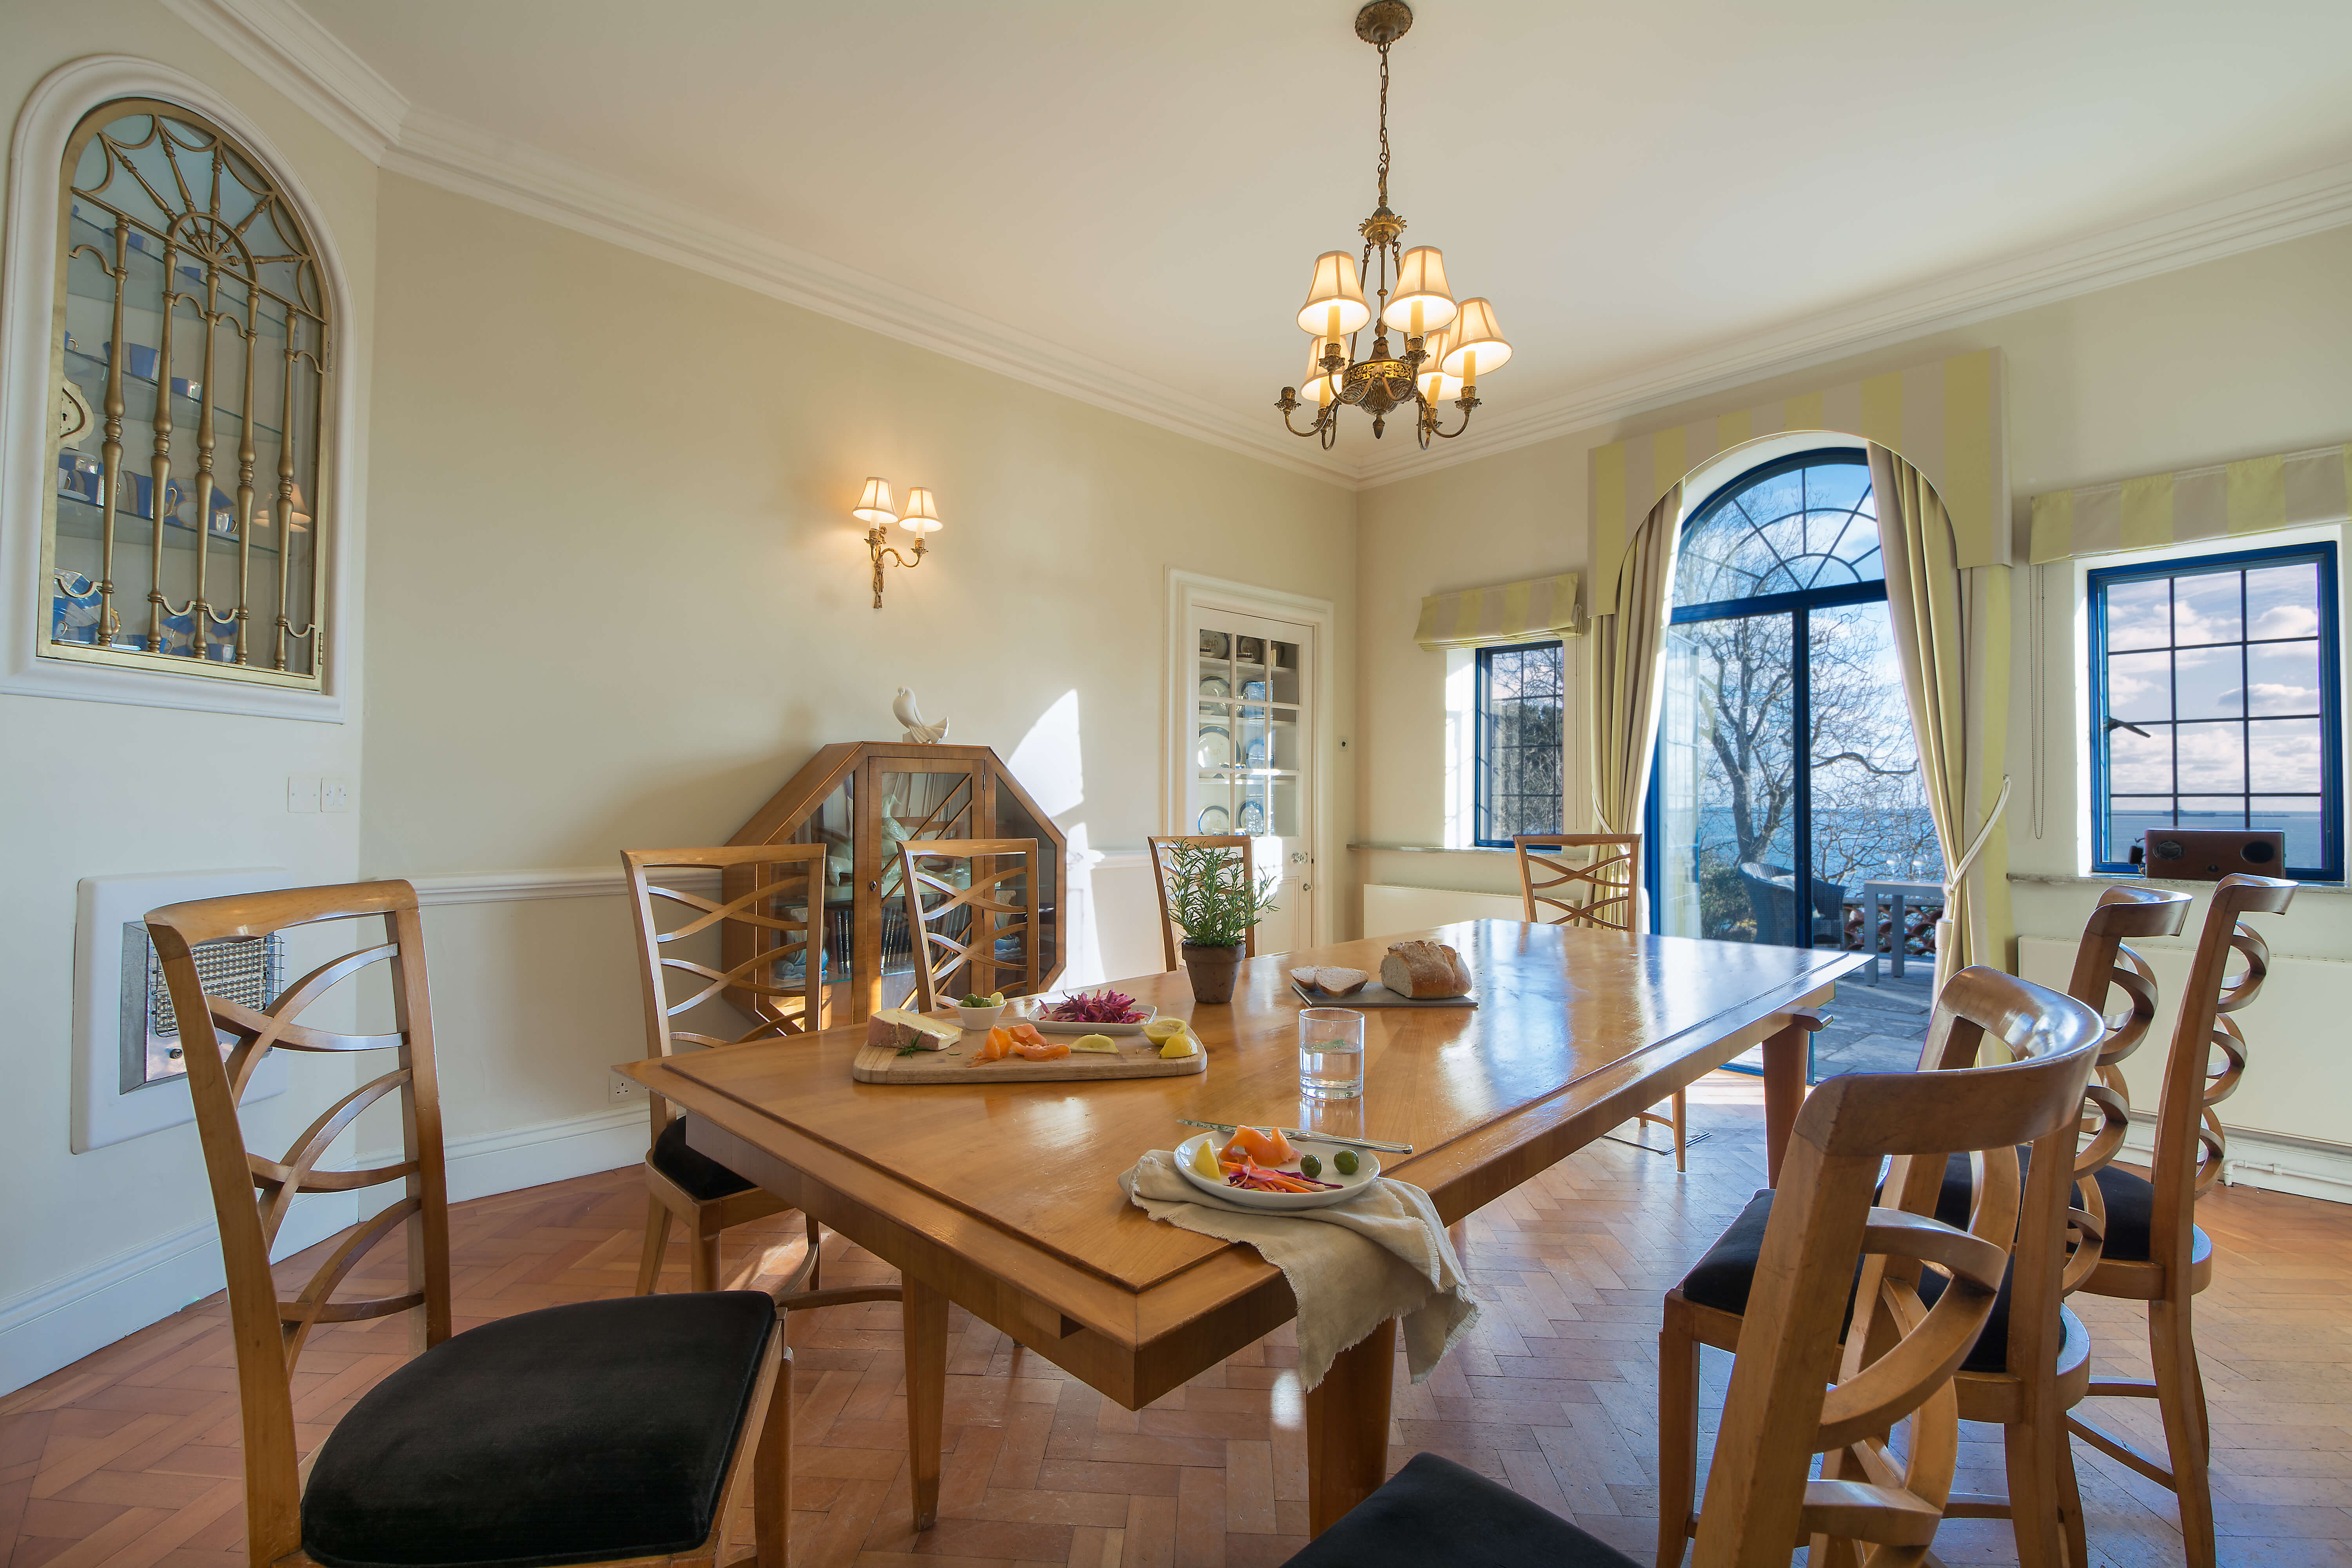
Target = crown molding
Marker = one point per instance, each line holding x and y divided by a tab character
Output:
2246	220
288	49
457	157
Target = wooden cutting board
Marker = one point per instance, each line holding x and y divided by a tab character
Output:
1376	994
960	1063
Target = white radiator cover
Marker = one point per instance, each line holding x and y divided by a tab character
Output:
2289	1123
1389	909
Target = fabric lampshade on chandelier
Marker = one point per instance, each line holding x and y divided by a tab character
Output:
1446	345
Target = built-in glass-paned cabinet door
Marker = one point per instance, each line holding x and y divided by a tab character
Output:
193	342
1251	756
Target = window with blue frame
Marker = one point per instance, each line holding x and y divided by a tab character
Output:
1522	714
2214	703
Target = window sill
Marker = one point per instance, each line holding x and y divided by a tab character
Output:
1434	848
2121	879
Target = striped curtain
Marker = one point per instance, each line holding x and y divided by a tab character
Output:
1941	617
1626	687
1507	613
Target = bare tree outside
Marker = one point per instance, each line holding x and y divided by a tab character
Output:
1730	753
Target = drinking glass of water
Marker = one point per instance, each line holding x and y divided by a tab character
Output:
1330	1053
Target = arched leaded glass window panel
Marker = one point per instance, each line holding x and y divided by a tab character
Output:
193	325
1788	528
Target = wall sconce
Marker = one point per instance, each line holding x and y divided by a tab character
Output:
922	520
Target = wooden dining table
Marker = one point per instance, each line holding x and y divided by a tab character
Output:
1005	1200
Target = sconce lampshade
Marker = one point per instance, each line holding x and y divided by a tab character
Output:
875	507
922	517
1422	303
1477	343
1436	387
297	513
1334	300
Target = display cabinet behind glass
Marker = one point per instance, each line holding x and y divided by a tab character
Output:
192	323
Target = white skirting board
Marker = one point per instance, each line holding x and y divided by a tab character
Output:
57	1324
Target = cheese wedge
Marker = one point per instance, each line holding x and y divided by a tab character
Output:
1102	1045
899	1027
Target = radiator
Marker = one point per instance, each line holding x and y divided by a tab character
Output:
1389	909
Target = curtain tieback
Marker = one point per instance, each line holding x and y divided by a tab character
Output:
1975	847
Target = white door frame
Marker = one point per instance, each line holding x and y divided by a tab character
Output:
1191	591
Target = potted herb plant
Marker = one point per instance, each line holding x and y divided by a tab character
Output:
1213	900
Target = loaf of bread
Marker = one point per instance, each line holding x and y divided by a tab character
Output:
1332	982
1425	971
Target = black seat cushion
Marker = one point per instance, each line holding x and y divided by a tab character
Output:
574	1434
1435	1511
703	1178
1722	1277
2131	1215
2130	1200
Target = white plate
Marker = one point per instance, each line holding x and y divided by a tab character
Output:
1368	1167
1057	1027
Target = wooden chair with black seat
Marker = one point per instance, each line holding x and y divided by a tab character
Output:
2155	1252
2033	1362
1171	934
1794	1391
760	926
608	1431
1598	892
996	872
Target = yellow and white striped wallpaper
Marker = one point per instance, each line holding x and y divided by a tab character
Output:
1508	612
2221	501
1946	417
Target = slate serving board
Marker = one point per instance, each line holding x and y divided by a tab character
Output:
1375	994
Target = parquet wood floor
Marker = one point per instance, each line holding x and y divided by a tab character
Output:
129	1458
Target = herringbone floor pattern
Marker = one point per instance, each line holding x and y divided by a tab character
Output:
129	1458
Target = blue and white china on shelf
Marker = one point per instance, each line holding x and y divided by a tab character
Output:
1215	688
1253	818
1212	819
1216	746
1254	689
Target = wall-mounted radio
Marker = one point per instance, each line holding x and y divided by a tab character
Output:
2208	855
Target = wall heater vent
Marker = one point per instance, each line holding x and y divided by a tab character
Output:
130	1075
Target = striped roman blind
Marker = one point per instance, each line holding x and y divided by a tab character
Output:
2221	501
1507	613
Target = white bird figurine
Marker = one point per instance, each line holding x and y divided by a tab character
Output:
918	732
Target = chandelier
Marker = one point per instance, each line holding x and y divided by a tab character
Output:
1445	344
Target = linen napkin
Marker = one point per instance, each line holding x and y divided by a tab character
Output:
1380	1254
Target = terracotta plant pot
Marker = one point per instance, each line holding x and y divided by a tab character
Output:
1213	971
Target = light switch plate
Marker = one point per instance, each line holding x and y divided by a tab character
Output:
302	791
334	792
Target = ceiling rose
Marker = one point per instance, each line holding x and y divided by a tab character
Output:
1446	344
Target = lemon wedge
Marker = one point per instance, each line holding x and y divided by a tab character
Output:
1159	1031
1103	1044
1178	1046
1205	1160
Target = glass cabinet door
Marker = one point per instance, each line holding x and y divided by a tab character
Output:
1251	762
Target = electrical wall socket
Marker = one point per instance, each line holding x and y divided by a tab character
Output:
334	792
302	791
627	1088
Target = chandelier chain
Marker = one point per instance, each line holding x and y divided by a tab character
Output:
1385	125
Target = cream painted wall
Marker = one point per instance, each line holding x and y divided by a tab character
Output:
617	599
95	1245
2234	358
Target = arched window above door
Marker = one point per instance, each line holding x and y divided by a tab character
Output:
1794	526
